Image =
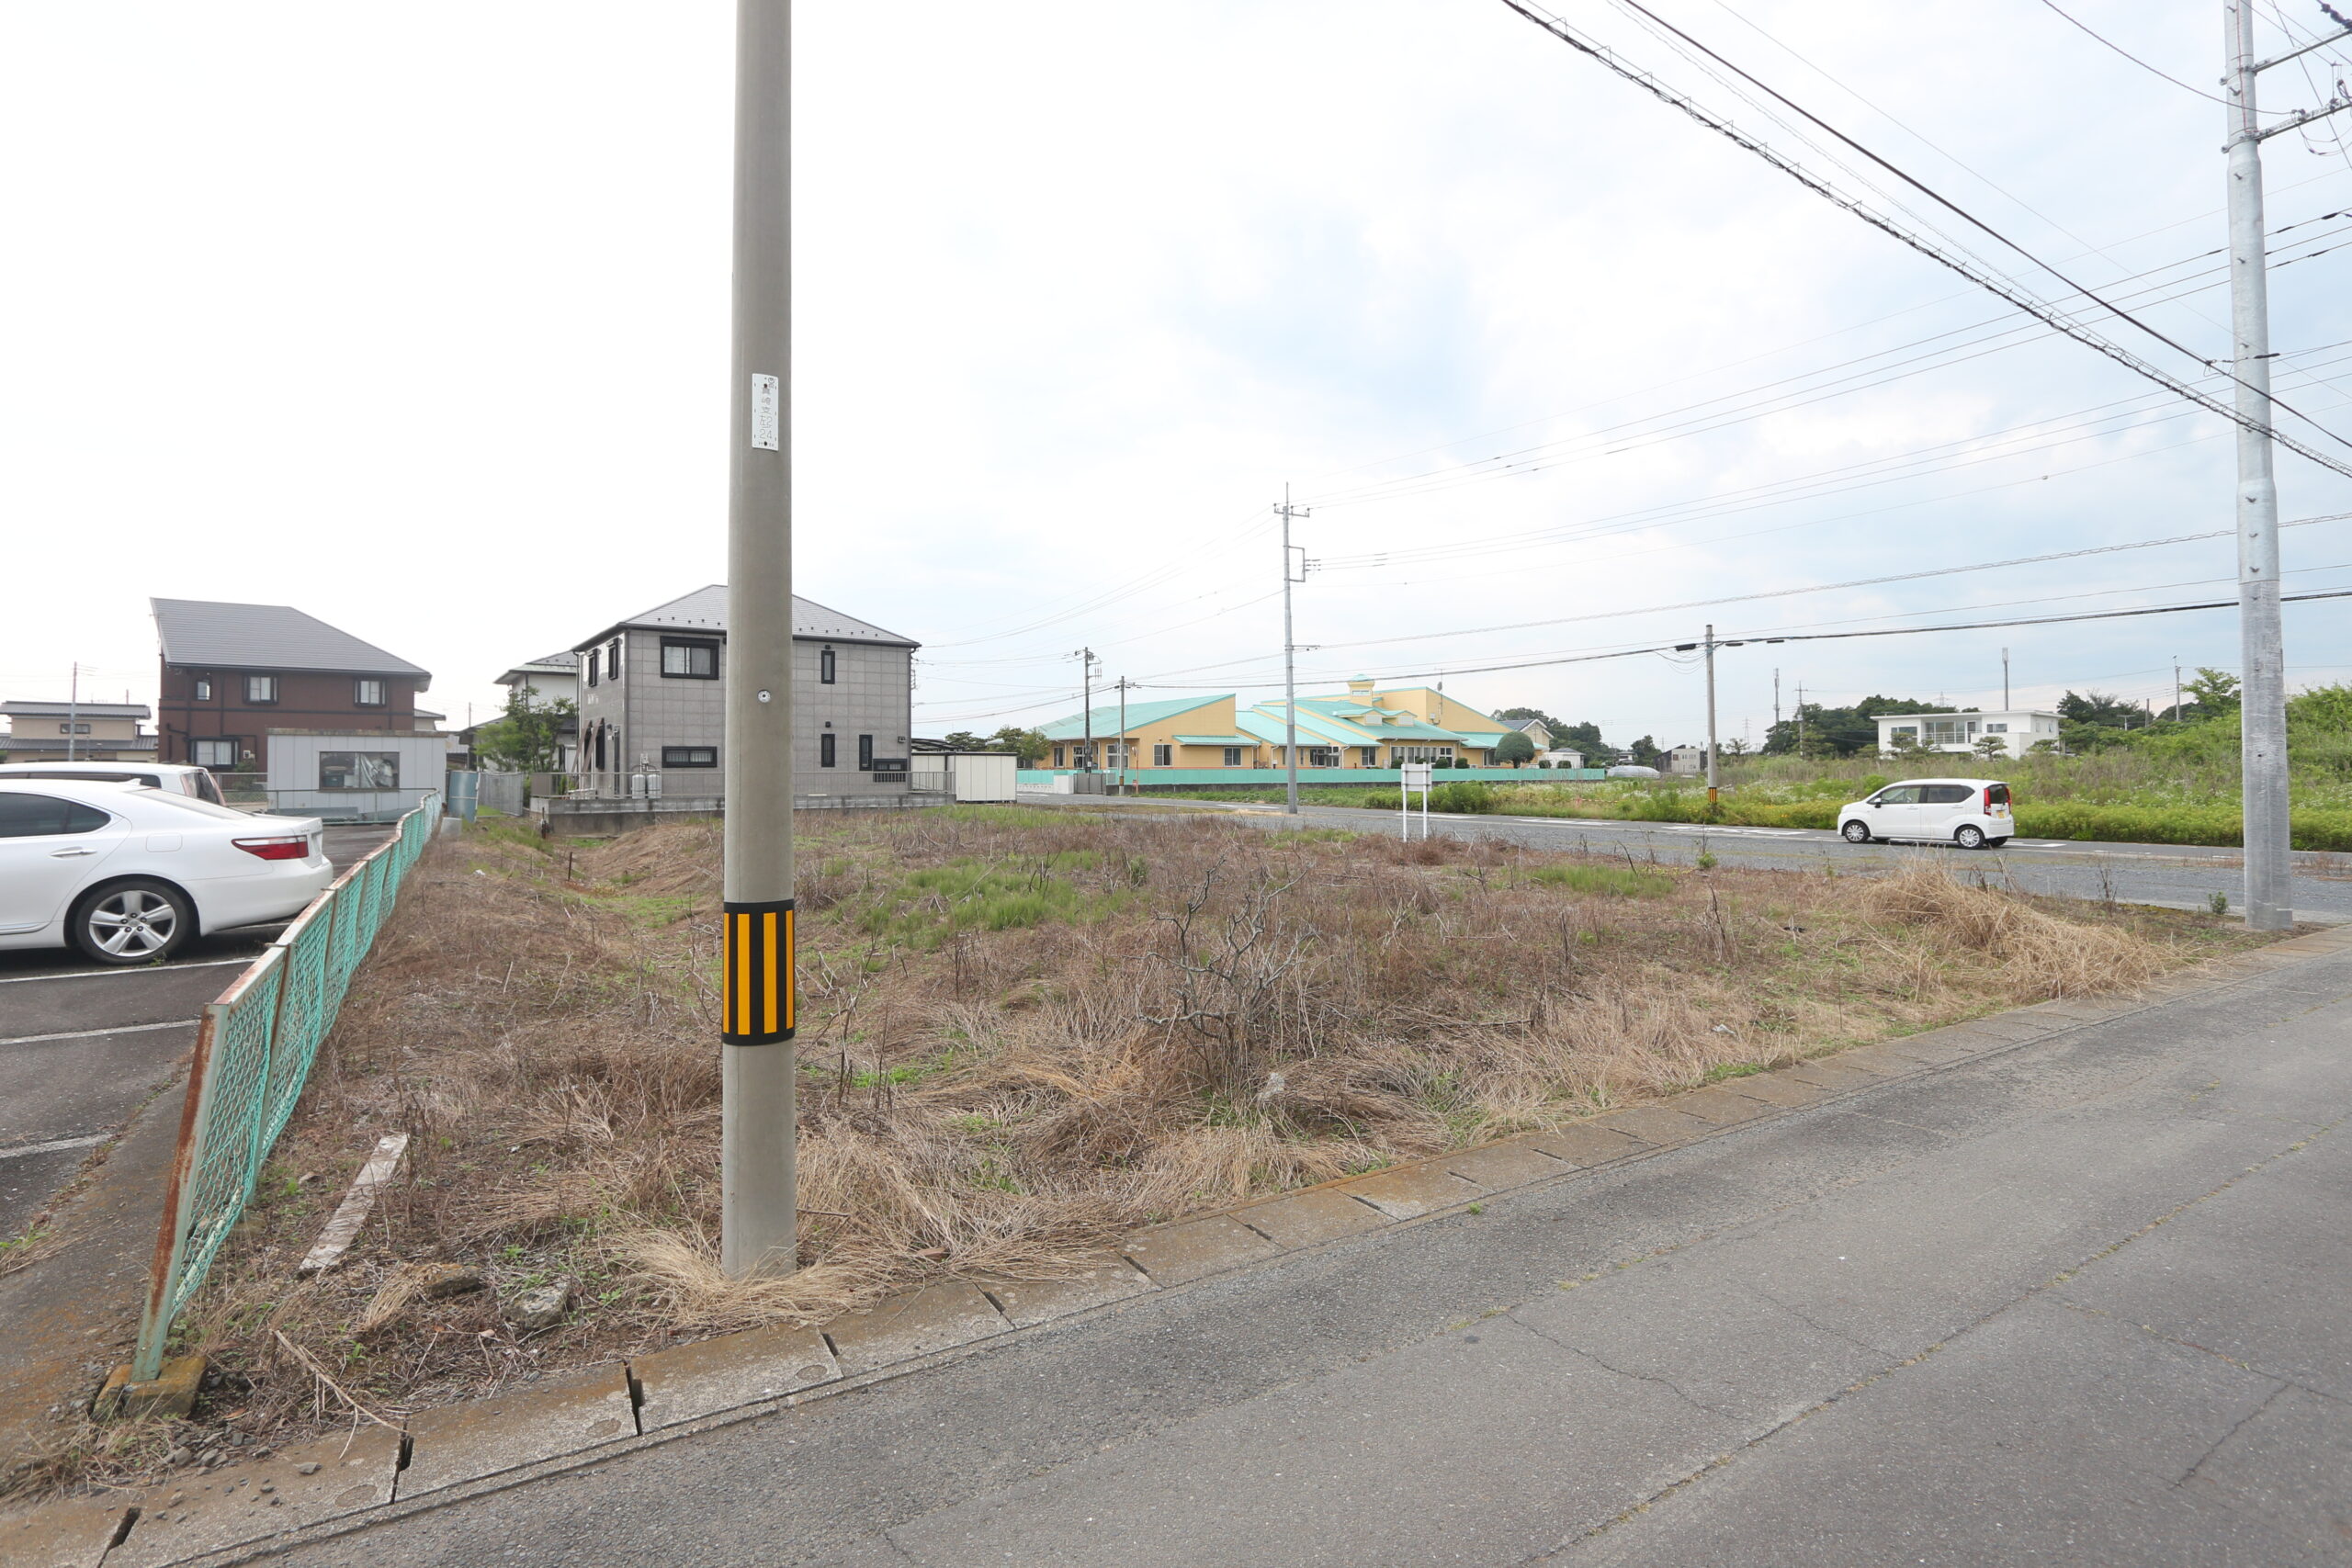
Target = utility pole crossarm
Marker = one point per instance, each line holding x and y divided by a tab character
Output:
2332	106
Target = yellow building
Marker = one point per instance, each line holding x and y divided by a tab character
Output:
1365	728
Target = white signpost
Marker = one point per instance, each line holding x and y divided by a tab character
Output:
1417	778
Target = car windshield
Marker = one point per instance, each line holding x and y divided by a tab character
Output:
1997	794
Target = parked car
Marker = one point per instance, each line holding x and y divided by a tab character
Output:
172	778
1972	813
128	875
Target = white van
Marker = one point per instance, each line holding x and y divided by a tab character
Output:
172	778
1972	813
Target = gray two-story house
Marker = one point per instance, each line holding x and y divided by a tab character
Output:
653	697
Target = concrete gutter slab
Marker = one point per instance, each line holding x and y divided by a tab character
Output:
73	1533
1657	1124
251	1502
1027	1303
936	1317
1410	1191
1189	1249
1501	1166
521	1424
1586	1144
1779	1089
1305	1218
1831	1076
688	1382
1721	1107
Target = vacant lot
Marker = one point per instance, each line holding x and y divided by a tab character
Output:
1025	1031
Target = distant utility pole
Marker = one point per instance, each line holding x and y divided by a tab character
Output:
757	1173
1713	781
1800	718
1086	662
2175	688
2005	679
1124	684
1290	657
1776	699
2263	739
72	709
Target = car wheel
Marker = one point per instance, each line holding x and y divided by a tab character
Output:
1857	831
1970	837
141	921
1996	843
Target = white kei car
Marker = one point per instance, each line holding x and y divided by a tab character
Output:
128	875
1972	813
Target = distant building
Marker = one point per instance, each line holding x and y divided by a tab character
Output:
1686	759
1363	728
1562	757
233	673
57	732
1536	729
653	696
552	678
2019	731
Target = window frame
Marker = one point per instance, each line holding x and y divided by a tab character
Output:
828	668
828	750
203	689
612	659
198	742
595	664
684	756
1162	755
254	683
1233	756
359	698
690	646
865	753
353	766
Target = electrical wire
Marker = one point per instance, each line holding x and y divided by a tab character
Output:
2208	98
1976	274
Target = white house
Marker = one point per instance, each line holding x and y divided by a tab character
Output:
2018	729
1686	759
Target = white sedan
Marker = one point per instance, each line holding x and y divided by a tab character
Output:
128	875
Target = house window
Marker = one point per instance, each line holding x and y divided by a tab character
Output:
1367	756
73	730
1160	756
692	756
261	688
865	753
1322	756
689	659
1061	756
204	690
825	749
1997	729
367	694
612	659
212	753
825	667
1233	756
359	770
596	662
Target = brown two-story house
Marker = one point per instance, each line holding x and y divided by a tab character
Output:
234	672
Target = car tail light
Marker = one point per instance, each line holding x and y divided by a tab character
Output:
294	847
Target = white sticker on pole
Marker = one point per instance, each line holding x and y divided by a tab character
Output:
768	413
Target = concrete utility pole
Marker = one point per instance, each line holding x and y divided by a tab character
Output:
1290	658
2263	734
1124	684
2175	688
73	710
1713	781
758	1186
2005	678
1086	706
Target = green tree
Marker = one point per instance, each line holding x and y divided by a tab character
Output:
1584	738
1514	749
1645	753
2213	691
527	737
2099	709
1993	747
1030	745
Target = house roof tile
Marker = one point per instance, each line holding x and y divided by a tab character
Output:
265	637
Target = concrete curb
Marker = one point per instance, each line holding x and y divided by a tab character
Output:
570	1420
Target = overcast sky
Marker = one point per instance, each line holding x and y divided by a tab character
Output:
417	319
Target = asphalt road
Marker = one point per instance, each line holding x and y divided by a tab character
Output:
82	1044
2148	874
2079	1300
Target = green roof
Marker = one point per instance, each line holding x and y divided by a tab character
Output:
1214	740
1106	719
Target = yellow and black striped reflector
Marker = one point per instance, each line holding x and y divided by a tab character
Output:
761	1003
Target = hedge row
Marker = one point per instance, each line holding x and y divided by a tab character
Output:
2217	825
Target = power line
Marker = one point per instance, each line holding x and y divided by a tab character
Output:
1980	275
2208	98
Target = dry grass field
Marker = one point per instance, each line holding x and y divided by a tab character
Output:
1025	1030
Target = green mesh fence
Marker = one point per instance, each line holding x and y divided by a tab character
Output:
253	1050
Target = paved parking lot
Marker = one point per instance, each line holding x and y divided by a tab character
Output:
82	1045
